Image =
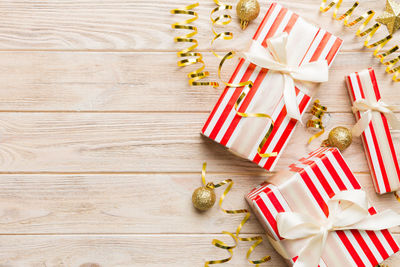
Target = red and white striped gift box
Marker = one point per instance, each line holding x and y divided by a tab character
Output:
377	140
307	43
307	186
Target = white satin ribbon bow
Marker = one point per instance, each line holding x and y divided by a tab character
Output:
274	57
347	210
367	107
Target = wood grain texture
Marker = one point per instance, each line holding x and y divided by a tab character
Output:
134	142
151	81
136	25
122	250
128	250
129	204
100	145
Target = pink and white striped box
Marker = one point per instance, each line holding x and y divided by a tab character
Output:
307	186
377	140
307	43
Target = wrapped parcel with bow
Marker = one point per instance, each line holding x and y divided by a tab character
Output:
374	120
316	214
287	59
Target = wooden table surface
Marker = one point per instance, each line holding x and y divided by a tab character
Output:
100	146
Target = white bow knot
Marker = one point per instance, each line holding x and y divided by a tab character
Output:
275	58
347	210
367	107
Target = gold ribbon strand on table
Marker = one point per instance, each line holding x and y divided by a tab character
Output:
369	32
187	55
235	236
318	111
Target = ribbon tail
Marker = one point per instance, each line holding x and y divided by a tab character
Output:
310	255
382	220
316	71
289	96
362	123
393	121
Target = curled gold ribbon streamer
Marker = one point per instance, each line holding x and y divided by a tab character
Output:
236	236
317	111
370	32
221	20
187	55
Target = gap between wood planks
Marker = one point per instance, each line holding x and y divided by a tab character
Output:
131	111
147	173
142	51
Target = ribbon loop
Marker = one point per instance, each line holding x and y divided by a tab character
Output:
274	57
347	210
367	107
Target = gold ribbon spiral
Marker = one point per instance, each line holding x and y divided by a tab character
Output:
221	20
187	55
318	112
370	32
235	236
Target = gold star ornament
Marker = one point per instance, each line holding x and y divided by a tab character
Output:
391	16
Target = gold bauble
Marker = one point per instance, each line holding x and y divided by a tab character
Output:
203	198
247	10
339	137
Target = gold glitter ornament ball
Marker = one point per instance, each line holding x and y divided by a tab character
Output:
203	198
339	137
247	10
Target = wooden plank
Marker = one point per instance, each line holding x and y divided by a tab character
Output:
122	250
133	142
136	25
64	81
128	250
129	204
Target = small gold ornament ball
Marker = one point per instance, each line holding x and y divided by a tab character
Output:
340	137
203	198
247	10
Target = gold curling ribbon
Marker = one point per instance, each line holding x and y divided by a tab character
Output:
370	32
396	196
223	20
249	85
218	243
187	55
317	111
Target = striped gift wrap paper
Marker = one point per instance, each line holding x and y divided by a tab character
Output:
306	187
377	138
243	135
